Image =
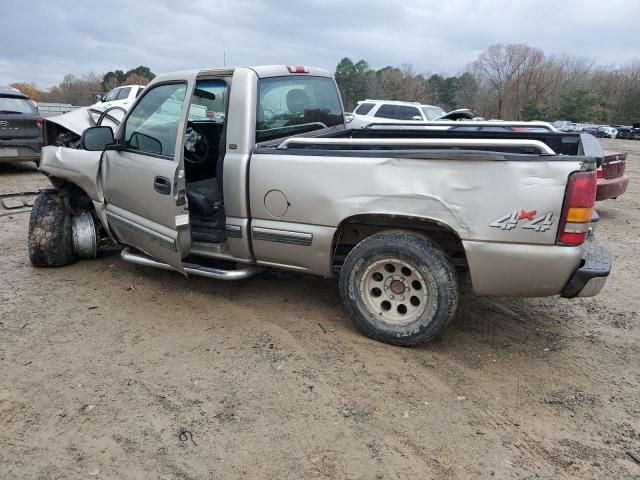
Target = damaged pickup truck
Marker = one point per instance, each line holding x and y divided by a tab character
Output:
222	172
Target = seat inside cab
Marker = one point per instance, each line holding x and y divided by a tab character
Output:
204	150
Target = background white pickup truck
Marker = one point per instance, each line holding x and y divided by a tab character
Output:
119	97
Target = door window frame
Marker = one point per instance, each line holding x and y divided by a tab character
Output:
123	127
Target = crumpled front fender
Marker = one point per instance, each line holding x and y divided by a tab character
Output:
79	167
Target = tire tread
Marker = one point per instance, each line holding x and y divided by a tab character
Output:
49	238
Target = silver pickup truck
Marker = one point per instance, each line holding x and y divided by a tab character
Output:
222	172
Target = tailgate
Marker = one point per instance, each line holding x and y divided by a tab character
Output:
18	125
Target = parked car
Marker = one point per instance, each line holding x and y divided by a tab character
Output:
634	133
20	127
118	97
562	125
606	131
612	181
590	129
281	182
623	131
391	111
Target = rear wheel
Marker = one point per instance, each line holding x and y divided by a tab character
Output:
399	287
50	237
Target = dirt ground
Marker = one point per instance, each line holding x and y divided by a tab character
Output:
114	371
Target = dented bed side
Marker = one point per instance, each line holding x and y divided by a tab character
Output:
474	198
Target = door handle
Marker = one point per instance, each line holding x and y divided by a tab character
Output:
162	185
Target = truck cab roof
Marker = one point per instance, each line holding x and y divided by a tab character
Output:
262	71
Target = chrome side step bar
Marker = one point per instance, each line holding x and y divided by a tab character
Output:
249	271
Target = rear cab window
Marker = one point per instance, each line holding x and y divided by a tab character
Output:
293	105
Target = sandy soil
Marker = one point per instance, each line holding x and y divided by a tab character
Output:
113	371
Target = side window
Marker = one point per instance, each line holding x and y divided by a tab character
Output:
407	113
152	126
386	111
112	95
140	89
124	93
364	108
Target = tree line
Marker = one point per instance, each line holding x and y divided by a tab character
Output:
513	82
83	90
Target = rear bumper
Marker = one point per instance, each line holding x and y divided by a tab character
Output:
611	188
14	151
519	269
592	275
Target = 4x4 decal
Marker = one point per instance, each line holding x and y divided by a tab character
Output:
539	223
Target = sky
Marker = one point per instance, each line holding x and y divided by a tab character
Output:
44	40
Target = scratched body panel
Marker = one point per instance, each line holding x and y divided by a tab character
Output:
466	196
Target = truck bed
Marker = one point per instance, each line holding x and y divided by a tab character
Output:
431	143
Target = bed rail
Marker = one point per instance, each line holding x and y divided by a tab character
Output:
542	147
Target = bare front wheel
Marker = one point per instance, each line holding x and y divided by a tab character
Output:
399	287
50	233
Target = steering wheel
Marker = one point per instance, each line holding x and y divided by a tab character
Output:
200	151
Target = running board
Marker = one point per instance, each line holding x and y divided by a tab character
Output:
249	271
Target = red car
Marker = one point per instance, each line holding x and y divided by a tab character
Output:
612	182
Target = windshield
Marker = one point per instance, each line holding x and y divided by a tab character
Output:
209	101
433	112
17	105
296	104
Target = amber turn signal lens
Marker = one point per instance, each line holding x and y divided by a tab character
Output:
579	215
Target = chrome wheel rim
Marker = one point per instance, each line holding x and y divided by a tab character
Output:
394	291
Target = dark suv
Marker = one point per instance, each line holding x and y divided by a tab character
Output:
20	127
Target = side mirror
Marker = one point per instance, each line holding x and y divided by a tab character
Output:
95	139
98	98
416	117
348	117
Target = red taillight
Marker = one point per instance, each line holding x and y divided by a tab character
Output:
579	200
600	172
613	164
297	69
39	122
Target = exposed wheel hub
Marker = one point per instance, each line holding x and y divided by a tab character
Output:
397	287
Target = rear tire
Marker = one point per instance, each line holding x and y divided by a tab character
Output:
399	287
50	237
